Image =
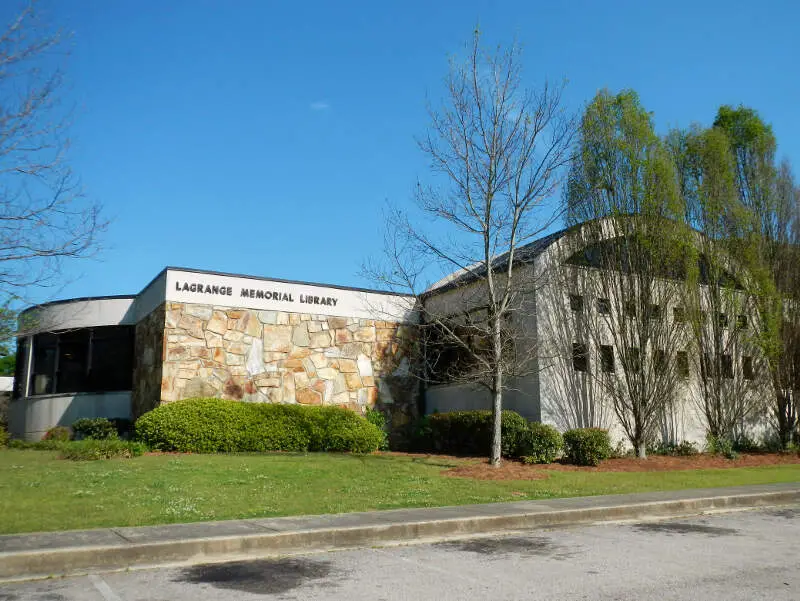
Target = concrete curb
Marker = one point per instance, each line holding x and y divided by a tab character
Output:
68	553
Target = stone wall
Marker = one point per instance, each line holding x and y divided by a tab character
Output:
279	357
149	351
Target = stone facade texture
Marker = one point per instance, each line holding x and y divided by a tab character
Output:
280	357
148	352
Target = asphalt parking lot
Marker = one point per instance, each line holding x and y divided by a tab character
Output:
746	555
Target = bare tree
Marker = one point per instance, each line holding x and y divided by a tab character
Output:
496	152
571	382
44	217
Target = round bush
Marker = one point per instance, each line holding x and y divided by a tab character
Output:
587	446
540	444
218	425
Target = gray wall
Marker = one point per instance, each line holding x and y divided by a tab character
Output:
30	418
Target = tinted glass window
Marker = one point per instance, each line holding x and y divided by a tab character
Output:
73	361
86	360
112	359
43	374
19	369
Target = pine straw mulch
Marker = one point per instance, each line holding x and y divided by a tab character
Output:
515	470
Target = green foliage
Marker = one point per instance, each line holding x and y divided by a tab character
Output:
3	437
217	425
40	445
57	434
721	445
97	428
540	443
378	419
744	444
587	446
685	448
467	433
91	449
8	364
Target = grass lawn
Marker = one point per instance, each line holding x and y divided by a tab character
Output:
39	492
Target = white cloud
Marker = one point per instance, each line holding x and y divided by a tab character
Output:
319	105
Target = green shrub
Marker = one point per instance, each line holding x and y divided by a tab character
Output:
721	445
587	446
57	434
467	433
378	419
217	425
744	444
41	445
95	428
91	449
685	448
3	437
540	443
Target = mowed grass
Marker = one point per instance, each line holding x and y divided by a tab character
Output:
39	492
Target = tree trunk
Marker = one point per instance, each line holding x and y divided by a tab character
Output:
497	423
641	450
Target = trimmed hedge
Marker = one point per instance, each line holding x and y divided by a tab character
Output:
468	433
216	425
540	444
587	446
3	436
97	428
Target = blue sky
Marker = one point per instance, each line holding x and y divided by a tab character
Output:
264	138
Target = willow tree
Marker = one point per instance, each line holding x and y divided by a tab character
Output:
718	301
766	244
496	153
622	187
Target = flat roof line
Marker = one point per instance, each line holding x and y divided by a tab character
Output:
281	281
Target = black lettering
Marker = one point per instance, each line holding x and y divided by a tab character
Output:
334	301
244	292
193	288
178	286
268	295
289	298
259	294
316	300
214	289
229	291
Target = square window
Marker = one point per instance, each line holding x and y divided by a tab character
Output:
580	357
747	368
606	358
576	302
655	311
632	360
682	364
726	366
679	315
603	306
659	361
630	309
722	320
741	321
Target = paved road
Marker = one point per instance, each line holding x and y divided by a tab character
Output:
747	555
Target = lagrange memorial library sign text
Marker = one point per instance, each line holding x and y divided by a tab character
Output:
274	295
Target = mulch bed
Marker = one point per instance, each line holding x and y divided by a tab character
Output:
514	470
